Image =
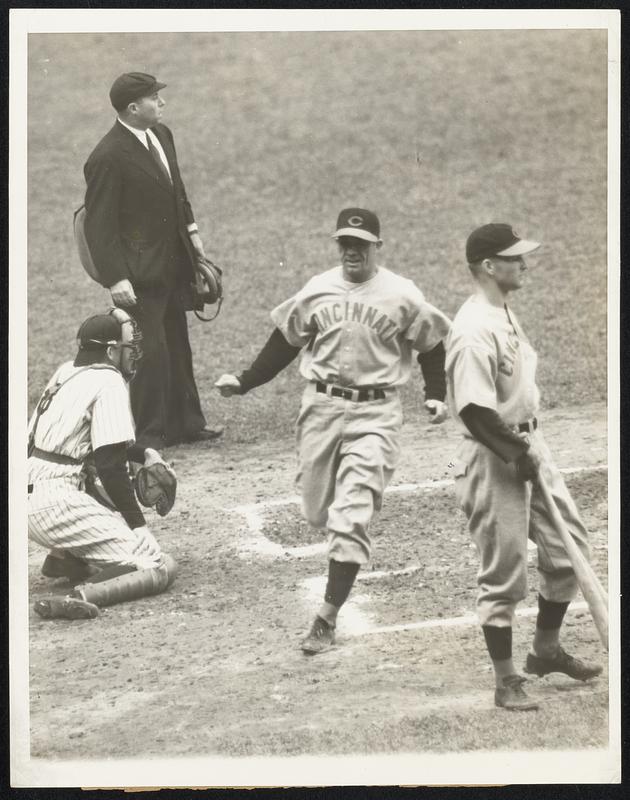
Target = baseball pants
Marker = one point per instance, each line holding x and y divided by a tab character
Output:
347	453
503	512
63	517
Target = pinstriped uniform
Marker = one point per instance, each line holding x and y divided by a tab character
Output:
90	411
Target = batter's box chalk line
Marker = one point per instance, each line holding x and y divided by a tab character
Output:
356	621
254	542
467	620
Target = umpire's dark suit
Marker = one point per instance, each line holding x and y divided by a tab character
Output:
136	228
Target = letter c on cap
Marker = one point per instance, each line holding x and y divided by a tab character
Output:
355	221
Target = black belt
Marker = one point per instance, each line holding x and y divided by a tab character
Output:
528	427
56	458
358	395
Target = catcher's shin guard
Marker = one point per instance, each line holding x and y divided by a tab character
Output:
129	586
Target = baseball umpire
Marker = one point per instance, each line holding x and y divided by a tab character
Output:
145	245
356	326
491	369
84	415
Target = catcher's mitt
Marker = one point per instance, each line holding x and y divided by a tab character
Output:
208	287
156	485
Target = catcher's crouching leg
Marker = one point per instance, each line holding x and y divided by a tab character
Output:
130	585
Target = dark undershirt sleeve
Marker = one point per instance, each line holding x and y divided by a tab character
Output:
432	366
135	453
111	465
275	355
488	428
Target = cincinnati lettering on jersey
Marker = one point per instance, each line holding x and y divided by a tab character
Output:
506	365
332	313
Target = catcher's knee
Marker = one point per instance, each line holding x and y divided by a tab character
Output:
171	568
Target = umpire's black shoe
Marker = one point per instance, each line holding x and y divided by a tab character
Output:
205	435
320	637
561	662
512	696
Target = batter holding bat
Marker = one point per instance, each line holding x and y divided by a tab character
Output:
356	326
491	378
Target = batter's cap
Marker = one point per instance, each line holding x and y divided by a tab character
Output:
132	86
360	223
497	239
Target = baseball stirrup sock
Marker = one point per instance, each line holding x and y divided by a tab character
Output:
550	614
498	642
341	577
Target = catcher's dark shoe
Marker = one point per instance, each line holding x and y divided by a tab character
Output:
320	637
68	567
512	696
57	607
205	435
561	662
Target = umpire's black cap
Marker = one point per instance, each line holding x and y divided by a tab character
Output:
132	86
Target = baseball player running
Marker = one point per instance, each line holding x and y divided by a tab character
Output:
356	326
84	412
491	369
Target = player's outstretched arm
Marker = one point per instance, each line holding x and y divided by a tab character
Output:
275	355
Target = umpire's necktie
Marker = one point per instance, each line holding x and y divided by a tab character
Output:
156	156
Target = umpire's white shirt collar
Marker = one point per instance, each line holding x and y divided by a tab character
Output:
141	135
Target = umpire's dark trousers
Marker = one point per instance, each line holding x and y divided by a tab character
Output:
164	397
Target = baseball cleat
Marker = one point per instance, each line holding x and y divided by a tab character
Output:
512	696
320	637
56	607
561	662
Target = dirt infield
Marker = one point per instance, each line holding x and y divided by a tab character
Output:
213	666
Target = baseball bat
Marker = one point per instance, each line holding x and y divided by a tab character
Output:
594	594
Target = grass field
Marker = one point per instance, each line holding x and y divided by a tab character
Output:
437	131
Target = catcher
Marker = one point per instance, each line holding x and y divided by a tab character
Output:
82	506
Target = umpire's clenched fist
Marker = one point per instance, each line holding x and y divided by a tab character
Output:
228	385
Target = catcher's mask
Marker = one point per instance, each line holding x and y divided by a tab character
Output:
114	329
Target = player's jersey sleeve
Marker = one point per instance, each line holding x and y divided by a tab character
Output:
428	325
473	374
112	421
295	319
